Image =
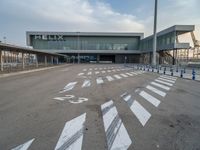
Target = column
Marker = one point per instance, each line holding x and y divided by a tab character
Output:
57	60
23	66
45	60
52	60
150	60
1	60
78	58
36	60
98	58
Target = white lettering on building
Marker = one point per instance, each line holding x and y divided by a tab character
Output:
49	37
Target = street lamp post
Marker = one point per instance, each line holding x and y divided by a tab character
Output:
155	34
78	46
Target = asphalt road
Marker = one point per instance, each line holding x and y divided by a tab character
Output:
99	107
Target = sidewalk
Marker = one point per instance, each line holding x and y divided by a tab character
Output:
187	75
30	71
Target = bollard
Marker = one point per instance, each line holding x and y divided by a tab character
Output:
184	71
164	70
144	68
152	69
181	74
148	68
172	72
176	69
158	70
193	74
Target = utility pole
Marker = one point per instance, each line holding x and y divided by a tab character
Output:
155	34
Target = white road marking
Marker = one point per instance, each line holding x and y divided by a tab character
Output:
97	72
167	80
99	80
86	83
117	76
68	87
125	93
90	69
109	78
103	71
134	73
126	98
95	68
90	73
108	71
72	135
166	83
169	77
159	92
64	98
123	75
150	98
114	70
161	86
118	70
80	74
24	146
116	133
80	100
140	112
106	104
84	69
129	74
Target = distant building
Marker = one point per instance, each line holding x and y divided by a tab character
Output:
107	47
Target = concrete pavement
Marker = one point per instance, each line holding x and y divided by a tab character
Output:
98	107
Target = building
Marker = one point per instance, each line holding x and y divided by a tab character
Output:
108	47
167	41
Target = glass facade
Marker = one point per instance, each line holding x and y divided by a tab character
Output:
162	41
88	43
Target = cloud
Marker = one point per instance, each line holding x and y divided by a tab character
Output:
89	15
65	15
74	12
174	12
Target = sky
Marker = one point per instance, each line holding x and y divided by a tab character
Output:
19	16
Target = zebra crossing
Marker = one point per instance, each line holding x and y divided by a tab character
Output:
116	134
72	134
102	71
101	68
157	91
109	78
142	114
100	80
